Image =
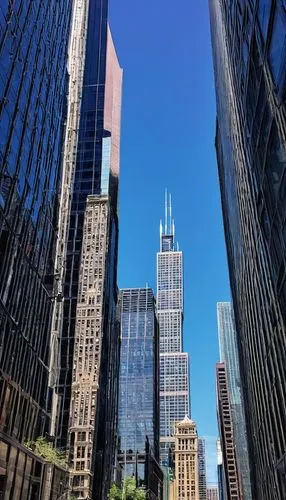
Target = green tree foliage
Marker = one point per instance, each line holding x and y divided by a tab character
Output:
130	491
115	493
42	448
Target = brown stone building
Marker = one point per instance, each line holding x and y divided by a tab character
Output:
226	434
186	461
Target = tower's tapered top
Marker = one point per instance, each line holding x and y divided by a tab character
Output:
167	230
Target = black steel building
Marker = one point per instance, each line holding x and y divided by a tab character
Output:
249	50
33	54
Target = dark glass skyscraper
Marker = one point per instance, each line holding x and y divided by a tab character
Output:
138	421
202	469
85	340
33	55
250	66
220	472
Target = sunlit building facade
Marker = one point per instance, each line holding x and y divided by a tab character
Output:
212	493
174	363
186	482
138	408
229	356
249	52
33	60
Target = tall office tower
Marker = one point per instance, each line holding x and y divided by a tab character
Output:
138	411
33	56
186	461
212	493
232	488
202	469
174	363
229	356
249	59
85	367
220	472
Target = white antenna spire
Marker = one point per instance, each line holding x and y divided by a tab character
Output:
170	213
166	210
173	228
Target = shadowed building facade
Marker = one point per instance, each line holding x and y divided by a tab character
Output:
248	39
220	472
202	469
33	58
85	339
225	424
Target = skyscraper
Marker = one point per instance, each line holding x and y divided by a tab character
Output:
212	493
229	356
174	363
85	367
220	472
249	59
33	56
138	410
202	469
232	487
186	461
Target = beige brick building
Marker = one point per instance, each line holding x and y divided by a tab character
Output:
186	461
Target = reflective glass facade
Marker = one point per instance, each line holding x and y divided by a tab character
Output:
220	472
87	256
174	364
33	56
202	469
138	409
87	180
249	59
139	374
229	355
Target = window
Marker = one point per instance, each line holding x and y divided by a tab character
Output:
277	48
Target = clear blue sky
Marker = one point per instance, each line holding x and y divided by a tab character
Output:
168	131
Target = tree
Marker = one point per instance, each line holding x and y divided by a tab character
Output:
42	448
129	492
115	493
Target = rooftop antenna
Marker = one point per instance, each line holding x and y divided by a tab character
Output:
161	232
166	209
173	228
170	212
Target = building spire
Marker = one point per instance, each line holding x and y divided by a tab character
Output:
169	223
170	214
167	227
166	211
